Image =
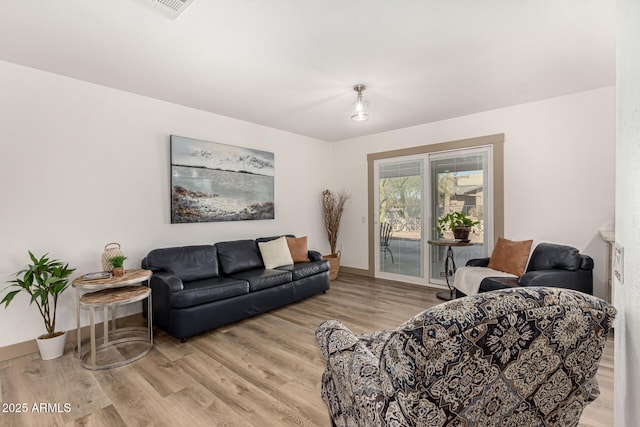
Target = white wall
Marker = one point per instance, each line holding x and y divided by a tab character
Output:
559	171
98	161
84	165
627	294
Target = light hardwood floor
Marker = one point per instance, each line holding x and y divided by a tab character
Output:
263	371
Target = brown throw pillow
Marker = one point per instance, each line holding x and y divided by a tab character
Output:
510	256
298	248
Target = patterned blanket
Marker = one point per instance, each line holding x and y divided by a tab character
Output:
514	357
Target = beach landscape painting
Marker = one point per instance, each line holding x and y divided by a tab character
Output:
219	182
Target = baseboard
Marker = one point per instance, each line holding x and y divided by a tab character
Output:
27	347
353	270
16	350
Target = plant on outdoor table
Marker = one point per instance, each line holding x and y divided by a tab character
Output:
457	222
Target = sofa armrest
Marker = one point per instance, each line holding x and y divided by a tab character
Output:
166	281
586	262
478	262
351	378
494	283
581	280
332	336
314	256
163	285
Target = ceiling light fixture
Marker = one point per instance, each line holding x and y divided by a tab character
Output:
360	107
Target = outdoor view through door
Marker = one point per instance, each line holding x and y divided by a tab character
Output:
460	183
412	193
400	213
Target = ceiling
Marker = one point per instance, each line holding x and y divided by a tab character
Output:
291	64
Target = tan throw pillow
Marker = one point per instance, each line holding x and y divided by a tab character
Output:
298	248
275	253
510	256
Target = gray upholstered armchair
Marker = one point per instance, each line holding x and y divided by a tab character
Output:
512	357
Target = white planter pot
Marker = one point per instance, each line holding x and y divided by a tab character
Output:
50	348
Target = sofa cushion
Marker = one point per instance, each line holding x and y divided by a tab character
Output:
208	290
238	255
298	248
306	269
548	256
275	253
262	278
186	262
510	256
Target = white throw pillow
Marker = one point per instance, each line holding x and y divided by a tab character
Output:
275	253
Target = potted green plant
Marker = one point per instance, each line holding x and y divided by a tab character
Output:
44	280
333	205
459	223
117	263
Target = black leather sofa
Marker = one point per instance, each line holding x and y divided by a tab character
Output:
550	265
199	288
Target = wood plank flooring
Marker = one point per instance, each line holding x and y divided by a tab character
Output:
263	371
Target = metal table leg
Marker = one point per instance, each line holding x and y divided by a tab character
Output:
449	274
78	329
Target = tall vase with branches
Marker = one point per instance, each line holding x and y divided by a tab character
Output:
333	205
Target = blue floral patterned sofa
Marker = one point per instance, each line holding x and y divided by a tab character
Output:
513	357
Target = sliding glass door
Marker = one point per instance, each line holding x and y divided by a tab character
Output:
460	182
400	217
411	193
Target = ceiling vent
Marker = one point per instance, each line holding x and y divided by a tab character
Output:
169	8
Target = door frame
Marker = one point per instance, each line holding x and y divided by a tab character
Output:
376	222
497	143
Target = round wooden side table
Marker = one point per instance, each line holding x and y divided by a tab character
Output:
107	294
